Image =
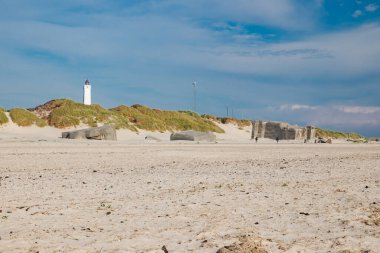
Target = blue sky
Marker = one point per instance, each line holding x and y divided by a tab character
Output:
305	62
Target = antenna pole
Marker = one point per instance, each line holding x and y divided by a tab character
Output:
195	96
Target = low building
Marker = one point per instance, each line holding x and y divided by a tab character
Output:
281	130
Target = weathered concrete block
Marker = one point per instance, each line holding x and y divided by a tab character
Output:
193	136
152	138
322	140
281	130
95	133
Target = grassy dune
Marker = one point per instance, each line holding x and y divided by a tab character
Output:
238	122
156	120
24	118
66	113
63	113
3	117
323	133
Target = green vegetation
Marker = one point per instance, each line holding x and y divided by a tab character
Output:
238	122
323	133
24	118
67	113
209	117
3	117
63	113
226	120
156	120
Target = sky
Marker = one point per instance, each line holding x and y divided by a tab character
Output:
301	61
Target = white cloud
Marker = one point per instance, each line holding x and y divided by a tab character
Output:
319	3
154	47
357	13
350	117
371	7
295	107
148	37
338	55
359	109
284	14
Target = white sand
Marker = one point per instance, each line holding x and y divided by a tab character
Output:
93	196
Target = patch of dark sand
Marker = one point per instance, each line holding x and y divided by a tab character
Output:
373	217
356	251
246	244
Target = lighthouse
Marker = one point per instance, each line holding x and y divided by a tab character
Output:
87	93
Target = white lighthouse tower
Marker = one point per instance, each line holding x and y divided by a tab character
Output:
87	93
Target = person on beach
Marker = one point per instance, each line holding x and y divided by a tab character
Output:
277	139
256	139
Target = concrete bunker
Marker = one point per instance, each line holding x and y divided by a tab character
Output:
281	130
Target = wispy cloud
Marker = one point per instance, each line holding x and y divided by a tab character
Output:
371	7
285	14
335	55
246	53
295	107
338	117
357	13
359	109
108	39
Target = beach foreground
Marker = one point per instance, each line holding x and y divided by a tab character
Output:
69	196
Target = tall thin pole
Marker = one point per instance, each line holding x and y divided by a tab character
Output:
195	96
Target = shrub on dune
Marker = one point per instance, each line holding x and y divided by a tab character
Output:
63	113
3	117
238	122
323	133
156	120
23	117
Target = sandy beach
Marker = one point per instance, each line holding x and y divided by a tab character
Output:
103	196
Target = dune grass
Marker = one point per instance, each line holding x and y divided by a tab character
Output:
63	113
24	118
3	117
156	120
238	122
66	113
226	120
139	119
323	133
